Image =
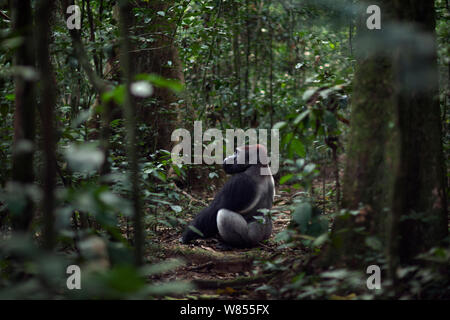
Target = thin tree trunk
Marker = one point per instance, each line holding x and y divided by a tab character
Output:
25	105
247	55
256	67
105	134
92	36
47	94
99	85
350	36
130	118
336	178
271	76
100	18
237	61
323	183
333	144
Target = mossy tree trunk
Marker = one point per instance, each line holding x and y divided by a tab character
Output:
394	173
160	58
419	206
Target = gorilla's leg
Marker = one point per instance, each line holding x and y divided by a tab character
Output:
235	230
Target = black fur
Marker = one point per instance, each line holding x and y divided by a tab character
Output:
244	194
235	195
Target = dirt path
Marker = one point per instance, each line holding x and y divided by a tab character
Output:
234	274
219	274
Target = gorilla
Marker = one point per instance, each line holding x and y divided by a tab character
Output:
233	214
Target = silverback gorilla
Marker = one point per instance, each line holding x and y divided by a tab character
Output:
233	214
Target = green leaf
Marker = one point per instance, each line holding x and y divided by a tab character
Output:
287	139
317	226
320	240
177	170
124	279
302	216
308	94
336	274
161	82
176	208
160	175
286	178
302	116
309	168
282	236
118	94
10	97
213	175
300	163
279	125
330	119
298	147
196	231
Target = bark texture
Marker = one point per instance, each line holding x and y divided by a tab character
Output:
25	106
47	105
394	172
160	57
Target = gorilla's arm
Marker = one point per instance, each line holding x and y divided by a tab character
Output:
238	194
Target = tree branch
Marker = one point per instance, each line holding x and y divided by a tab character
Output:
100	85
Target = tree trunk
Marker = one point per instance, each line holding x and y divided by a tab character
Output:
130	120
237	62
419	219
161	58
25	106
247	55
394	172
47	94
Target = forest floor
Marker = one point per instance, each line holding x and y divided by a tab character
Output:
238	273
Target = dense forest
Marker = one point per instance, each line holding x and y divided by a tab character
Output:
116	117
